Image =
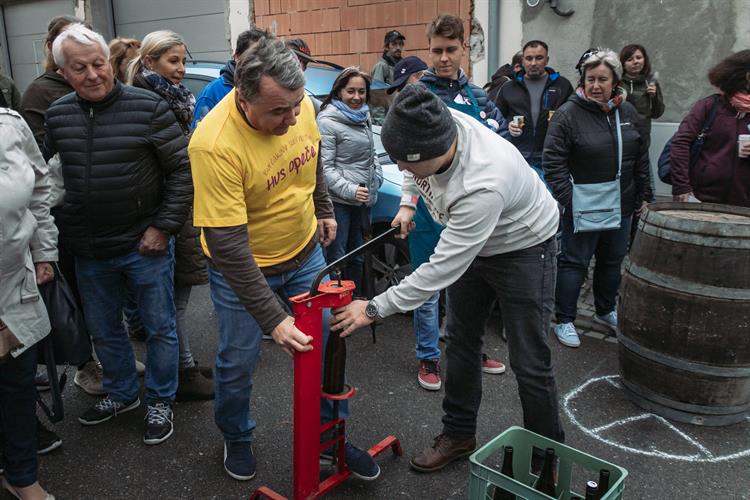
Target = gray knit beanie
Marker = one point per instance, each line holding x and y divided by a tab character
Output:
418	126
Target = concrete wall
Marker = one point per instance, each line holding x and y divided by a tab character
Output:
684	38
350	32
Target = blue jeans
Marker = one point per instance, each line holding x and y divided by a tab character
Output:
350	220
102	283
422	242
239	344
18	418
609	247
427	328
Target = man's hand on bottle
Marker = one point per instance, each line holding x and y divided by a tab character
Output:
349	318
290	338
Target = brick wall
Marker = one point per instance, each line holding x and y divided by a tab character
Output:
350	32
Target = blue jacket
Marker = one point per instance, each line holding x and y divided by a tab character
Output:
447	90
214	92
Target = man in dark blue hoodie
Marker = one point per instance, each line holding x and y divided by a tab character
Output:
216	90
535	93
448	81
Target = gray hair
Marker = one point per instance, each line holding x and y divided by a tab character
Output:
80	34
603	56
269	57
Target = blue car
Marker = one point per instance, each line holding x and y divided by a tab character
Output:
390	263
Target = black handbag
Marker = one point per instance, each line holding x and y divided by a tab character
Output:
70	340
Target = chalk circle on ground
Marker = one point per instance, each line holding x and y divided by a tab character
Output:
630	429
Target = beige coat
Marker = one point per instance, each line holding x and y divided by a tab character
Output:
27	230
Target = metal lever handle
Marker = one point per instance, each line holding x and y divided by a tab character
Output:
378	240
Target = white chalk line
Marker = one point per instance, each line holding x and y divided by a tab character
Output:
706	456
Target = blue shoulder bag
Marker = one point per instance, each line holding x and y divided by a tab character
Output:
596	207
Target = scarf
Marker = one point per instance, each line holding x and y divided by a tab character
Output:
354	115
614	102
741	102
179	97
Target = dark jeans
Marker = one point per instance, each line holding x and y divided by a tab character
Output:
609	247
351	220
18	418
524	283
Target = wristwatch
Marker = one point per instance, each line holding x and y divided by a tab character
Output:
371	311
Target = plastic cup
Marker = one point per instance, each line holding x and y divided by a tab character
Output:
742	139
519	119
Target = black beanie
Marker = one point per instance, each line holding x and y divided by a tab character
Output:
418	126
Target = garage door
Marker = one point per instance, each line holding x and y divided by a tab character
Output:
200	22
25	28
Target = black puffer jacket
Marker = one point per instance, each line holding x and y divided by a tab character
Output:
514	99
190	265
582	141
125	168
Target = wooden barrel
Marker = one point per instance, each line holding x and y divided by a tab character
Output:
684	314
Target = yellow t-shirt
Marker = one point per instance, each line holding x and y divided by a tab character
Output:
242	176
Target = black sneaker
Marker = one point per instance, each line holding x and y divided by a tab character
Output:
158	422
239	460
46	440
105	409
359	462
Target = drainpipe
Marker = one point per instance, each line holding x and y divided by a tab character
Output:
493	39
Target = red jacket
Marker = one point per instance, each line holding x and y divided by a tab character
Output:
719	175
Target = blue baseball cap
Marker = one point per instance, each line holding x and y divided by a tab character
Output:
403	70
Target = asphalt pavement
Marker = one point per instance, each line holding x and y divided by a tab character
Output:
664	460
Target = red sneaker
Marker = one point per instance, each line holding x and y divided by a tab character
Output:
492	366
429	375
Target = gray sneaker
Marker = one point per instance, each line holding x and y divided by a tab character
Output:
89	378
609	320
567	335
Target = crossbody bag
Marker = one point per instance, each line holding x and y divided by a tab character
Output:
596	207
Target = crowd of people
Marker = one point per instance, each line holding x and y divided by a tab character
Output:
139	190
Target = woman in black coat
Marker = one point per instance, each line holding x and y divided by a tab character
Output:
581	147
160	68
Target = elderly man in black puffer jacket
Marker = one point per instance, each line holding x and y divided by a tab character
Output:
127	192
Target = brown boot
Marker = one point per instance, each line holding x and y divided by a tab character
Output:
444	450
194	386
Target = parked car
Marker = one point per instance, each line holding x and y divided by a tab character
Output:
390	263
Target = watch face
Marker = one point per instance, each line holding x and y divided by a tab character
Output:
371	310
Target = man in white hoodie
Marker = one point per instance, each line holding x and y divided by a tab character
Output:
498	242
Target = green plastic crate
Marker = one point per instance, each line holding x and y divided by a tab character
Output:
483	479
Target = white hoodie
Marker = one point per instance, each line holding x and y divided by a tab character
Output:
491	203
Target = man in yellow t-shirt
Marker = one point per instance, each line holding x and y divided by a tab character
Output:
264	211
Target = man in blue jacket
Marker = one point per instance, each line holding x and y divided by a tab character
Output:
535	93
216	90
448	81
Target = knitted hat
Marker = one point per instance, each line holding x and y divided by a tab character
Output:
418	126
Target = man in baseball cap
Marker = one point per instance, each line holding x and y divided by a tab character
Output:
393	44
498	244
408	70
301	50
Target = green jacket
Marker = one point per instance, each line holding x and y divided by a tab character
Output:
10	92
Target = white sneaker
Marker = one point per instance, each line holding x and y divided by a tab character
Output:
609	320
89	378
567	335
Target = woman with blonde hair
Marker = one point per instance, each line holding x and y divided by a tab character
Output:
160	67
121	52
